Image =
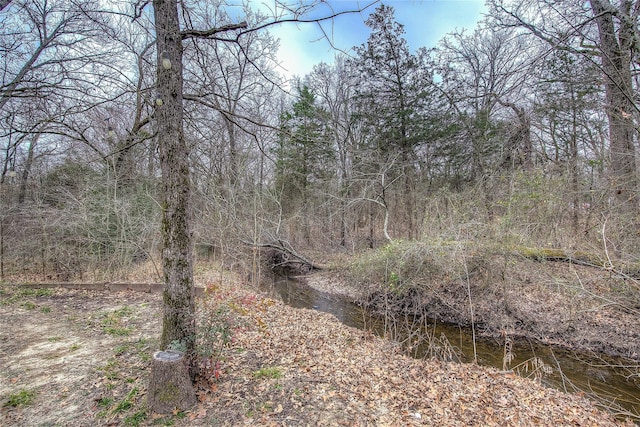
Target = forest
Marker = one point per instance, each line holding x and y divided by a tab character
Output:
155	137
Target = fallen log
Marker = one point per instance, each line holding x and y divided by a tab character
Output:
104	286
283	256
579	258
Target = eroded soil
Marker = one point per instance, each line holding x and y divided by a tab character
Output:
567	305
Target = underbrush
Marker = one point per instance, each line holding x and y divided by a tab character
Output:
219	316
504	294
518	252
534	209
500	289
404	271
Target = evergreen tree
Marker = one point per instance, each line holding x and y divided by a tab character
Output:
304	155
395	95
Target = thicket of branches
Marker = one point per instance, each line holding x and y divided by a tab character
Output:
521	130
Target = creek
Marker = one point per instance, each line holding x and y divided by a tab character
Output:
604	379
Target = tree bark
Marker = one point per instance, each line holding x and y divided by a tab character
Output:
179	308
22	193
616	65
170	387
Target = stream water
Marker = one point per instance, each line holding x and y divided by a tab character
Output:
564	370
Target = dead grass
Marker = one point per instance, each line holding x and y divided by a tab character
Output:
559	303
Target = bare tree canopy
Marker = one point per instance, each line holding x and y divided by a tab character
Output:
613	39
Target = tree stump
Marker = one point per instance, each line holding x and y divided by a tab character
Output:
170	386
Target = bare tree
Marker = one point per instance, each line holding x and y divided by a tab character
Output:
178	321
481	73
224	84
52	76
613	38
335	88
568	116
50	36
618	35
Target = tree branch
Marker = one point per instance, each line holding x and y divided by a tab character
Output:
310	21
4	3
187	34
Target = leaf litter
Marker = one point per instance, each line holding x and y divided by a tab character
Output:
314	371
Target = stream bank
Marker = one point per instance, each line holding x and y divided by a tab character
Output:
566	364
502	294
84	356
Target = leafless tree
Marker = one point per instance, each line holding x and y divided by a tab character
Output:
335	87
52	75
178	323
602	28
484	76
226	83
569	120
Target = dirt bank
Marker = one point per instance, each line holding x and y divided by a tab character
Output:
558	303
81	358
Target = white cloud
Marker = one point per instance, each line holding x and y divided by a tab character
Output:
304	45
298	53
426	22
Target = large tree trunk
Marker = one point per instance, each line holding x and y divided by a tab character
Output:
616	65
179	319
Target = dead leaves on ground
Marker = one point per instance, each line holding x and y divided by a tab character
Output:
314	371
334	375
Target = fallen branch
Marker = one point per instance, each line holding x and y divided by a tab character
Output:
629	272
287	251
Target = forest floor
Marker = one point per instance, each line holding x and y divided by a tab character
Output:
82	358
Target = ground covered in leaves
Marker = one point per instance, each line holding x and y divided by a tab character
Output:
74	357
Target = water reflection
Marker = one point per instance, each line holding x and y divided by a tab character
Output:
295	295
555	368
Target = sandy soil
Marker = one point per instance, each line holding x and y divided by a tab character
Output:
59	344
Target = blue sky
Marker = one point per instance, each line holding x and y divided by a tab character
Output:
425	21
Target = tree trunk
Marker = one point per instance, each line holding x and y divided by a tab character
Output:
233	152
179	309
170	387
520	150
2	247
616	66
573	163
27	169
